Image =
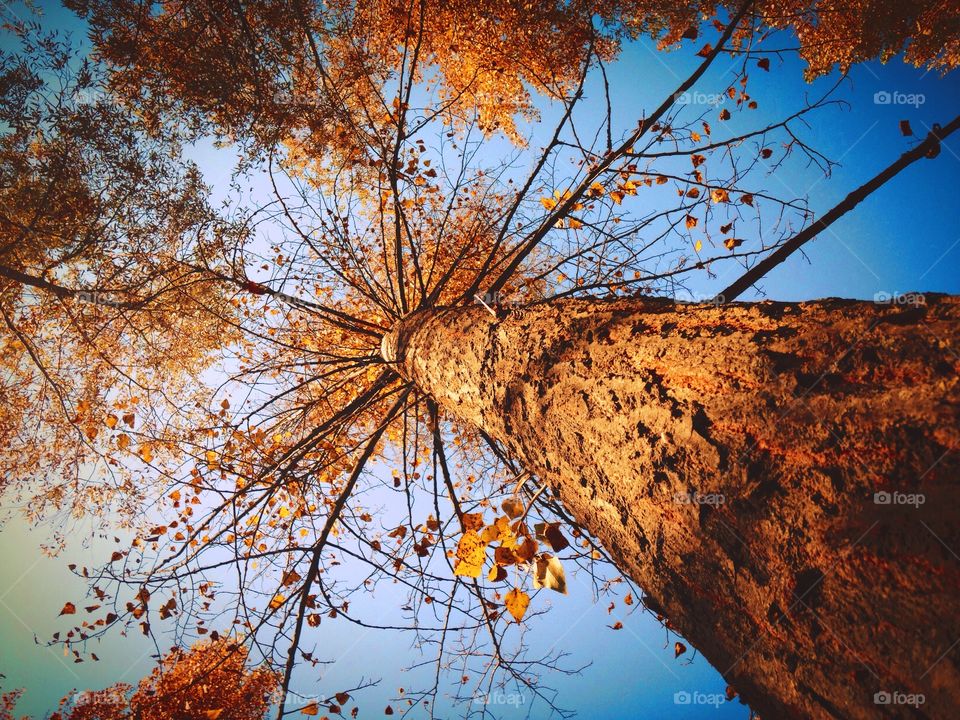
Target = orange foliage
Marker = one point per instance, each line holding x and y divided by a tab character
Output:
211	681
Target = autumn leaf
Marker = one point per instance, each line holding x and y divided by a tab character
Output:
705	50
549	574
277	601
497	574
719	195
471	554
724	114
698	245
747	199
548	203
513	507
69	609
550	533
679	649
516	602
213	714
764	64
596	190
311	709
766	153
691	222
616	626
731	243
574	224
472	521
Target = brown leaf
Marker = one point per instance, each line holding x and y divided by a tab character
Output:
679	649
69	609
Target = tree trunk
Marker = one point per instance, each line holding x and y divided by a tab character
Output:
781	479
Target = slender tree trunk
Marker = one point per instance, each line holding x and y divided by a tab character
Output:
735	461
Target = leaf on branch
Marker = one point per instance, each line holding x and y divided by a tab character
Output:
719	195
497	574
513	507
705	50
550	533
471	554
724	114
472	521
550	574
731	243
679	649
69	609
517	602
764	64
691	222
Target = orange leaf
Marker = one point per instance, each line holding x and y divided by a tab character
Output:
517	602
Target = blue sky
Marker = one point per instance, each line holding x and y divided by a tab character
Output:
905	237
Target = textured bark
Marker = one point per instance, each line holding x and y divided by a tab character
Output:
807	594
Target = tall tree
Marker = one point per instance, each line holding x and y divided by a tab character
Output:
374	125
747	466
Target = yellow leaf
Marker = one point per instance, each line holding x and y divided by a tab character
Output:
146	453
719	195
111	421
550	574
471	554
211	456
277	601
574	224
698	245
517	601
548	203
617	196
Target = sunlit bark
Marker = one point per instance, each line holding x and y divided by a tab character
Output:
728	458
